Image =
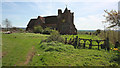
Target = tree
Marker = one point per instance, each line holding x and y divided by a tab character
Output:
98	31
38	29
55	36
112	18
7	24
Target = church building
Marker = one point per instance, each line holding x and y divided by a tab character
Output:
63	22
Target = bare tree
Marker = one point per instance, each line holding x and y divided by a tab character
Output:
7	24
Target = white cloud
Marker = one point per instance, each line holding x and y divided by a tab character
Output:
44	8
91	22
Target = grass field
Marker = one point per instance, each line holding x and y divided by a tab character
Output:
24	49
16	47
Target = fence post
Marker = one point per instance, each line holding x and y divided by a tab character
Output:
116	44
65	40
101	46
104	45
90	45
98	44
84	43
79	43
75	43
107	44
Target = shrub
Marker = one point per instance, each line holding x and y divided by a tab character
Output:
56	46
47	30
38	29
21	30
98	31
55	36
14	28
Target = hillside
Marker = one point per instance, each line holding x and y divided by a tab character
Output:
25	49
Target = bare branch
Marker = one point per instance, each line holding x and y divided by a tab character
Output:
112	18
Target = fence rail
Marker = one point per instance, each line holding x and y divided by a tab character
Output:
76	43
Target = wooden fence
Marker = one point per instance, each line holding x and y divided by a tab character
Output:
76	42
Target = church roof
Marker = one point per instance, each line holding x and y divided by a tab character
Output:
50	16
65	10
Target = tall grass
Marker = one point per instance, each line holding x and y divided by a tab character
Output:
111	34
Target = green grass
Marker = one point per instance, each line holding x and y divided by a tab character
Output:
82	36
58	54
16	47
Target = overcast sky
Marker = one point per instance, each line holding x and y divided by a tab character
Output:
88	15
